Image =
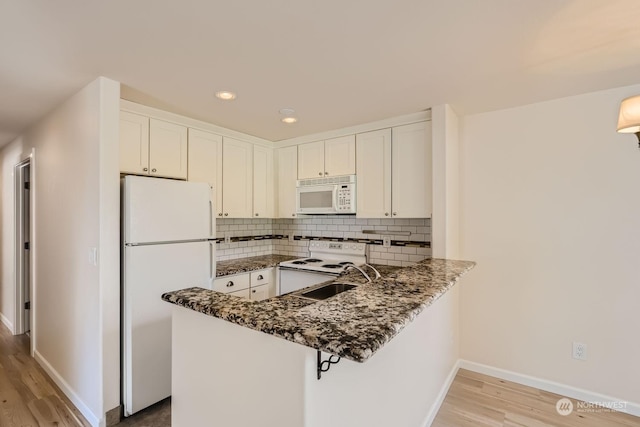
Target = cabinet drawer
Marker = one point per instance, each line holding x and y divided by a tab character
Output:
261	277
228	284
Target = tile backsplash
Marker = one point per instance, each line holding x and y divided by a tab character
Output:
323	226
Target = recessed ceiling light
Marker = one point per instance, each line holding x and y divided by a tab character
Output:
289	120
225	95
287	112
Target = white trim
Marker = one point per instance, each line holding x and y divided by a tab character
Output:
68	391
422	116
32	232
435	407
632	408
6	322
155	113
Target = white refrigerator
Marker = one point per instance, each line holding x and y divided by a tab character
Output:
167	232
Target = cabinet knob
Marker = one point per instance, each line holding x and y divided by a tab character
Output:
145	169
254	291
154	170
395	213
386	214
229	284
260	277
257	214
226	214
293	214
220	214
326	173
320	173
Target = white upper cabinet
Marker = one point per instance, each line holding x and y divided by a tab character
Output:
167	149
411	176
205	163
287	169
373	169
333	157
263	182
152	147
134	143
340	156
394	172
237	179
311	160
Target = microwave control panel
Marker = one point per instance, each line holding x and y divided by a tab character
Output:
344	198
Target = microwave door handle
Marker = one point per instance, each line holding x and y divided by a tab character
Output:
335	198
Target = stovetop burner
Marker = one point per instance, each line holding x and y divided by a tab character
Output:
298	262
313	260
331	266
346	263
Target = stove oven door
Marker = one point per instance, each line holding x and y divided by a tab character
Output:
294	279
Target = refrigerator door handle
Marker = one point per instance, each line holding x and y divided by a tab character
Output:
212	261
210	218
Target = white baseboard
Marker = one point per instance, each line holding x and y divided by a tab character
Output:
67	390
6	322
435	407
632	408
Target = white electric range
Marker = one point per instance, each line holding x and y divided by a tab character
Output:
326	261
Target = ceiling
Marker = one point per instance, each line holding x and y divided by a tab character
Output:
336	62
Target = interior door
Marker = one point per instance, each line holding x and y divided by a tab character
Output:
151	271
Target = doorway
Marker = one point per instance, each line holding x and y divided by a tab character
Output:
22	174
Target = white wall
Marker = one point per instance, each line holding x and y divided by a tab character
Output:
550	211
76	186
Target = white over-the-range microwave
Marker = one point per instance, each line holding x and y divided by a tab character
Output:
333	195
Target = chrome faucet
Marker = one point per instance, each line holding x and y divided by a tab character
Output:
378	275
360	270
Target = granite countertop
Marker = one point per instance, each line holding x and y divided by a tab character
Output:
354	324
243	265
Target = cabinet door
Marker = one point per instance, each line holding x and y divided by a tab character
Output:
411	171
262	292
262	182
287	159
167	149
134	143
340	156
205	163
373	169
246	293
311	160
237	178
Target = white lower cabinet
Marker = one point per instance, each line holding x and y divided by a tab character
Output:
245	293
256	285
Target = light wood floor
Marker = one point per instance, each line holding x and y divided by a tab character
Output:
28	398
476	400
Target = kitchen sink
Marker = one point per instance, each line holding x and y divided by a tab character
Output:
327	291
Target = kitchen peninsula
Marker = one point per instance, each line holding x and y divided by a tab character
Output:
229	369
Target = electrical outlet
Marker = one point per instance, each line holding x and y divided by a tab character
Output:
386	242
579	351
227	239
291	237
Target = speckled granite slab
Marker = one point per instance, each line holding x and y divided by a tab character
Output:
354	324
243	265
